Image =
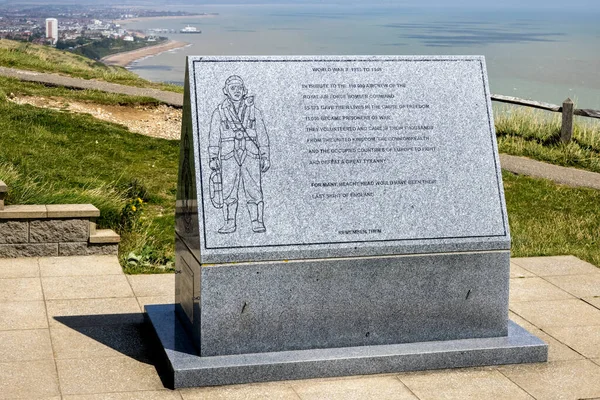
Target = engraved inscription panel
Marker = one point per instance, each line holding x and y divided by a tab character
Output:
303	151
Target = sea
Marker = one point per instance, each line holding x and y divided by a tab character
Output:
540	54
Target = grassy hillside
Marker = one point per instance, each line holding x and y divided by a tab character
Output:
548	219
50	157
39	58
535	134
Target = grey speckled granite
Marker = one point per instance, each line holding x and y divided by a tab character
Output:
188	369
367	155
359	301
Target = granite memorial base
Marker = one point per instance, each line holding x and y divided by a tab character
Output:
185	368
338	215
265	321
260	307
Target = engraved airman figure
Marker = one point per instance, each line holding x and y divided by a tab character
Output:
238	151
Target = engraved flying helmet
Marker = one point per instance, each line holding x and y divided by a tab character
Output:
236	79
232	80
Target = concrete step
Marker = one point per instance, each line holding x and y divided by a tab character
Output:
105	236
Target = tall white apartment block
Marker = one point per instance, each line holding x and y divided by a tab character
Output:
52	29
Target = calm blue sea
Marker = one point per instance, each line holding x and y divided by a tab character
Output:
545	55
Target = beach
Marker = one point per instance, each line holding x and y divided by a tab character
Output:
126	58
142	19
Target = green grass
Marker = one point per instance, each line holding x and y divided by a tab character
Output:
49	157
536	134
40	58
14	86
548	219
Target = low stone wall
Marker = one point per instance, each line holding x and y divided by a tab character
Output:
49	237
52	230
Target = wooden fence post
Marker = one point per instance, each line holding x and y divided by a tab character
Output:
566	130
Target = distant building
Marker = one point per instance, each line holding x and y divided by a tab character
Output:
128	38
52	29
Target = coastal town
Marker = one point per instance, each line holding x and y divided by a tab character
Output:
95	32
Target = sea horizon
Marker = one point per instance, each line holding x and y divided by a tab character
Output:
541	55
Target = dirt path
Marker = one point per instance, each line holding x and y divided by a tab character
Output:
170	98
160	122
566	176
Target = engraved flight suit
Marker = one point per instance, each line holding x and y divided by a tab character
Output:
238	139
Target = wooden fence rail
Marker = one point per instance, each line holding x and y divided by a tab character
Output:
567	109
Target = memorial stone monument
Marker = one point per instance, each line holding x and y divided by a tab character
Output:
337	216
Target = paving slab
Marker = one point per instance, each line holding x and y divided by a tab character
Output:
584	339
28	380
153	285
94	312
141	395
86	287
101	348
112	374
80	265
266	391
19	267
376	387
557	351
557	380
522	322
556	265
579	285
594	301
570	312
98	341
144	301
463	384
25	345
519	272
20	289
531	289
23	315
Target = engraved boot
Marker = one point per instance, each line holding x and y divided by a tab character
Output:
229	212
256	216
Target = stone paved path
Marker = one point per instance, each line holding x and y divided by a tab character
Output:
519	165
170	98
566	176
71	328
